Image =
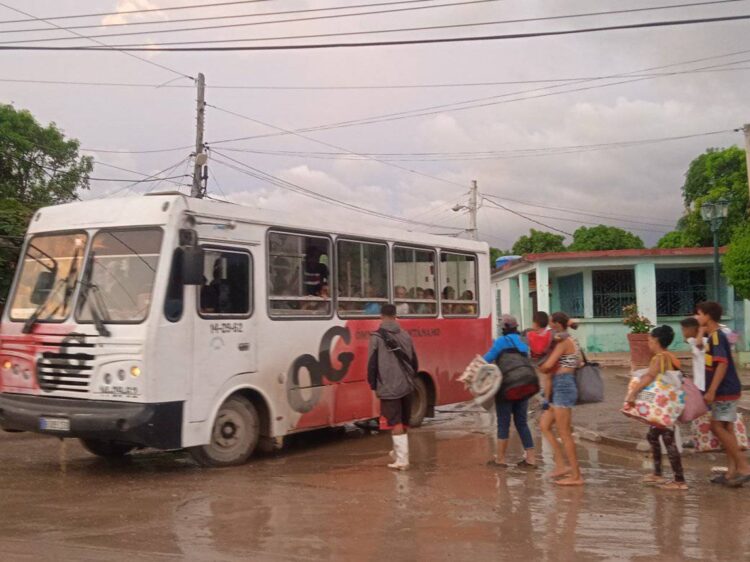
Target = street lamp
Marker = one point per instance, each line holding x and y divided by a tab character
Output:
714	213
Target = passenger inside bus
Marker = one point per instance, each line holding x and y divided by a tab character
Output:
469	308
316	272
215	297
402	308
449	294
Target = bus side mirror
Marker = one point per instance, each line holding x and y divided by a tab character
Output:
192	265
44	283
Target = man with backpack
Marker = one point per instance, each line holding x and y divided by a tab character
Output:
520	382
391	369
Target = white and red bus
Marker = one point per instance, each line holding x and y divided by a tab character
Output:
170	322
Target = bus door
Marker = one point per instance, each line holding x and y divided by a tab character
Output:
224	335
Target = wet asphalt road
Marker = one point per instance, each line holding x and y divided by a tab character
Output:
329	497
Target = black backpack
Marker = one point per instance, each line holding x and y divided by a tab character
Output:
520	379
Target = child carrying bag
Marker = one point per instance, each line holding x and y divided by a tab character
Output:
661	403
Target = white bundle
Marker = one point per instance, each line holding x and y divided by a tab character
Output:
483	380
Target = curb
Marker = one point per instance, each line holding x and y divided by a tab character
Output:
592	436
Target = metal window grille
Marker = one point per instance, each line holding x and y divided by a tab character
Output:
571	294
679	290
613	290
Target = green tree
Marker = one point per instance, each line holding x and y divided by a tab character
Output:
603	237
539	242
736	262
673	239
38	167
713	175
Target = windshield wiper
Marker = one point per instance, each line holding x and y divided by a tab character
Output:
96	303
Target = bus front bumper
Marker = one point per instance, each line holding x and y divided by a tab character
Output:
156	425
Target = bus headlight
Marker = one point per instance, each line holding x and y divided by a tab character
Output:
7	365
135	371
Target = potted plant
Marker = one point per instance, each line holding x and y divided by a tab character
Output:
640	326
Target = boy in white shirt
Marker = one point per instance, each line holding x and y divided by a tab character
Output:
692	335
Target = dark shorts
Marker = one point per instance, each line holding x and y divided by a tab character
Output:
395	412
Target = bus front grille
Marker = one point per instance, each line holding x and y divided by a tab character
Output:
64	371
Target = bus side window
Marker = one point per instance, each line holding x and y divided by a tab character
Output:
228	290
174	303
458	280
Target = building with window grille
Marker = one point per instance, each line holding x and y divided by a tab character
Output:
593	287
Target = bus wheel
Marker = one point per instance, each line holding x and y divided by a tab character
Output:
235	435
106	449
419	403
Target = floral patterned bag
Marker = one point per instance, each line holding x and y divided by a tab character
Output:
659	404
706	441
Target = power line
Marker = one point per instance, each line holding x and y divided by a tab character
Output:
581	222
493	100
271	22
136	181
104	45
476	155
167	47
362	86
154	151
616	217
48	169
523	216
329	145
235	16
664	227
141	11
370	32
290	186
168	169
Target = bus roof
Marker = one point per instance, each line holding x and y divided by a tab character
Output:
156	209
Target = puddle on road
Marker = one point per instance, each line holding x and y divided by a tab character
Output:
329	496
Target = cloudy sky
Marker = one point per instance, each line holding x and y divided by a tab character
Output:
515	143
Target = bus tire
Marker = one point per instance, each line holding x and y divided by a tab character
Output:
419	403
234	436
106	449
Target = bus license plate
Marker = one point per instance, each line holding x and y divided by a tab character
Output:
54	424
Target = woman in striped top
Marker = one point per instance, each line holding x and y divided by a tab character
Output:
561	394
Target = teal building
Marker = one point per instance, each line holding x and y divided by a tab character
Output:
593	287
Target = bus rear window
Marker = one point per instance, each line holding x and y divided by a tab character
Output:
458	279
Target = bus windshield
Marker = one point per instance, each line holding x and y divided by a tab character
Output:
43	288
119	277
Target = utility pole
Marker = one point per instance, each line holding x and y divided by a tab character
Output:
473	211
746	130
200	155
472	208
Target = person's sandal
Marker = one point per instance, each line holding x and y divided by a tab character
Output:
719	479
738	481
653	480
523	463
672	485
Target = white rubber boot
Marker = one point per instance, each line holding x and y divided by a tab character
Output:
401	448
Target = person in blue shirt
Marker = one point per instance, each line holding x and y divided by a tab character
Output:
518	409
